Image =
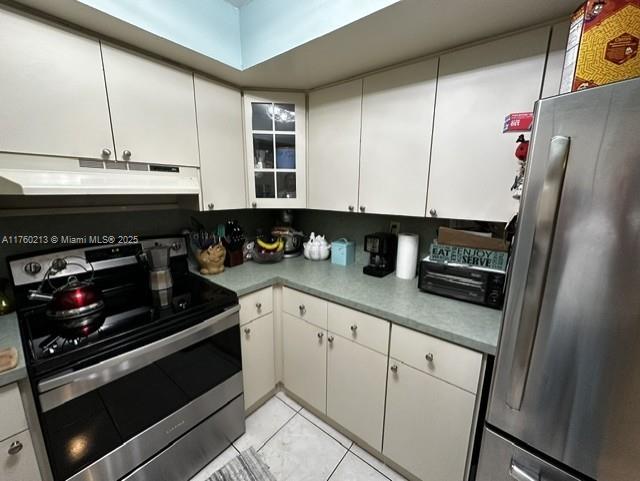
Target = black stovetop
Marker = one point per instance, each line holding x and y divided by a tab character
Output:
131	319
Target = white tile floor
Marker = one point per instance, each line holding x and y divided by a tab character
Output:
297	446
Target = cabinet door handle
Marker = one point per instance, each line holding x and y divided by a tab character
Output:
351	208
254	204
126	154
394	368
330	339
210	206
429	357
247	331
320	335
362	208
258	305
354	328
15	448
106	152
433	212
303	309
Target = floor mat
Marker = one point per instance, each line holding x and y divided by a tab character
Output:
247	466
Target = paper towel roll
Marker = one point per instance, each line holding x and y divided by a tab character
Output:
407	259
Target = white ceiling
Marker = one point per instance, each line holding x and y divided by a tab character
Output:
405	30
238	3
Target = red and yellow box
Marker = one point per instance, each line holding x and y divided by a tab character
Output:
603	44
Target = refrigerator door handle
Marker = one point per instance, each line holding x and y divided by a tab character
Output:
518	473
545	225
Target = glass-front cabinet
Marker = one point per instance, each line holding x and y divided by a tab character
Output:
275	146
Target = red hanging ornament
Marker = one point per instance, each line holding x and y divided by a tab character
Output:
522	149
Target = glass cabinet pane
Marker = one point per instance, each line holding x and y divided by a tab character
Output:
285	151
284	117
263	151
286	185
261	116
265	185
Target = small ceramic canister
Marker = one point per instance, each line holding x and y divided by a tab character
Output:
343	252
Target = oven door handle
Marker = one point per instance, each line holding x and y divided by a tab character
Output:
58	390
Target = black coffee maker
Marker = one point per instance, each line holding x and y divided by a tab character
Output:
382	248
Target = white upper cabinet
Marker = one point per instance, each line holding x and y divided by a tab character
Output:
152	109
52	95
397	117
219	113
555	59
275	144
335	115
472	162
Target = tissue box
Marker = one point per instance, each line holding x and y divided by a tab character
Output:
343	252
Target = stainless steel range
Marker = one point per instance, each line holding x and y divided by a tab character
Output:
146	390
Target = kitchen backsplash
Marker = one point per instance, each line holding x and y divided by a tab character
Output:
141	223
160	222
355	226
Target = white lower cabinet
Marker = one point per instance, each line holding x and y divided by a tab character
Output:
407	395
305	361
356	378
13	419
258	359
18	459
427	425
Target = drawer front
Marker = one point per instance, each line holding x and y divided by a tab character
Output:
362	328
22	465
12	420
454	364
255	305
304	306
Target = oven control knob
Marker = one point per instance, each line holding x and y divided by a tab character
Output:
176	246
32	268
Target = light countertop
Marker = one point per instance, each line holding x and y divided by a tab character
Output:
396	300
10	337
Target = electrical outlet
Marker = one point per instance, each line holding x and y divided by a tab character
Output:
394	227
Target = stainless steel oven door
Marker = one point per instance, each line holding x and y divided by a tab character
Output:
105	421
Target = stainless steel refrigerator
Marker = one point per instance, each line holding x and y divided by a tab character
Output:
565	398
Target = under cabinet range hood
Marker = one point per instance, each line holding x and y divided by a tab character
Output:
35	175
